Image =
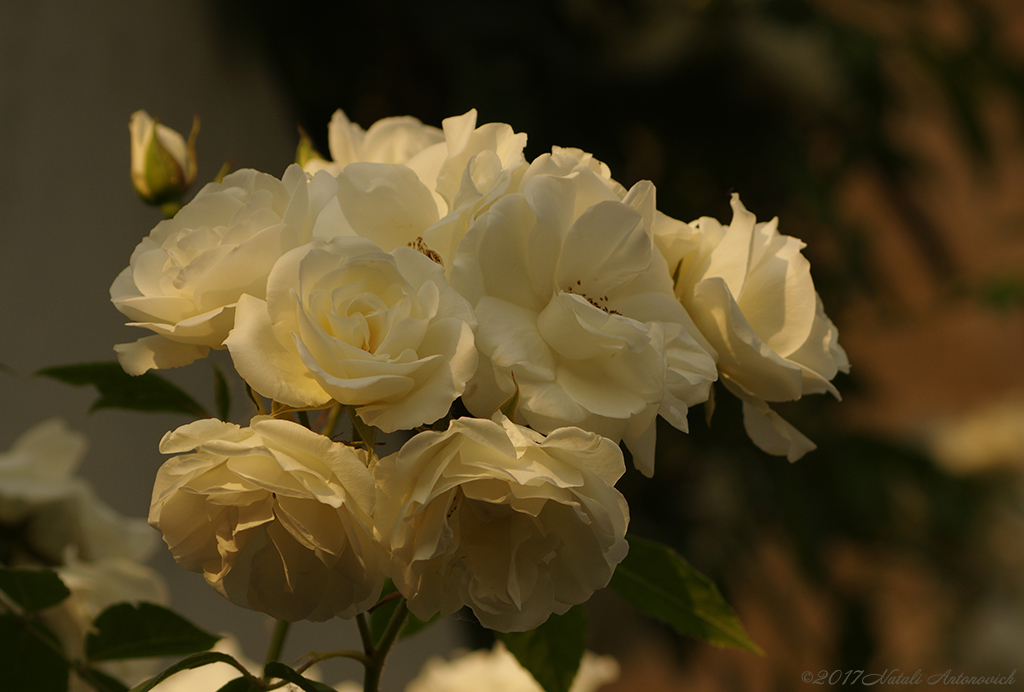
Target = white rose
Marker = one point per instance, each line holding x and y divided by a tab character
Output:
750	292
498	670
345	321
428	201
163	166
494	516
94	587
564	161
389	140
184	279
275	516
53	509
576	307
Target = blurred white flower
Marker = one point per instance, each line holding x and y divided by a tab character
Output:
991	437
498	671
94	587
53	509
494	516
275	517
575	305
345	321
750	292
185	278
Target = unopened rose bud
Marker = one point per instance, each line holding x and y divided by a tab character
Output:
163	164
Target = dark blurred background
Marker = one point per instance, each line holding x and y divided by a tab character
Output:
888	135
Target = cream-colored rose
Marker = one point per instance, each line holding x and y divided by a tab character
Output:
498	670
52	509
347	322
429	200
494	516
275	517
94	587
594	175
750	292
185	278
163	165
389	140
575	305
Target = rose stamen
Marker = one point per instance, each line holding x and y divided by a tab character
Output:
420	246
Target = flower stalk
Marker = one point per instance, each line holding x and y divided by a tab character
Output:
277	641
377	653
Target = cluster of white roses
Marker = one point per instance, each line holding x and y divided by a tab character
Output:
422	265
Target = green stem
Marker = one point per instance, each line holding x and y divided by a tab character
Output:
373	672
277	641
364	634
318	656
169	209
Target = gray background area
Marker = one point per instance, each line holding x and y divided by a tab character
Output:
71	73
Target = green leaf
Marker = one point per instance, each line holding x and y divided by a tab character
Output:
413	625
33	589
657	581
553	651
306	151
362	432
128	630
239	684
1003	293
118	389
254	397
276	669
381	616
188	663
27	660
221	393
101	682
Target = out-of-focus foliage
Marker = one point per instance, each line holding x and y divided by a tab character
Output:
777	99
